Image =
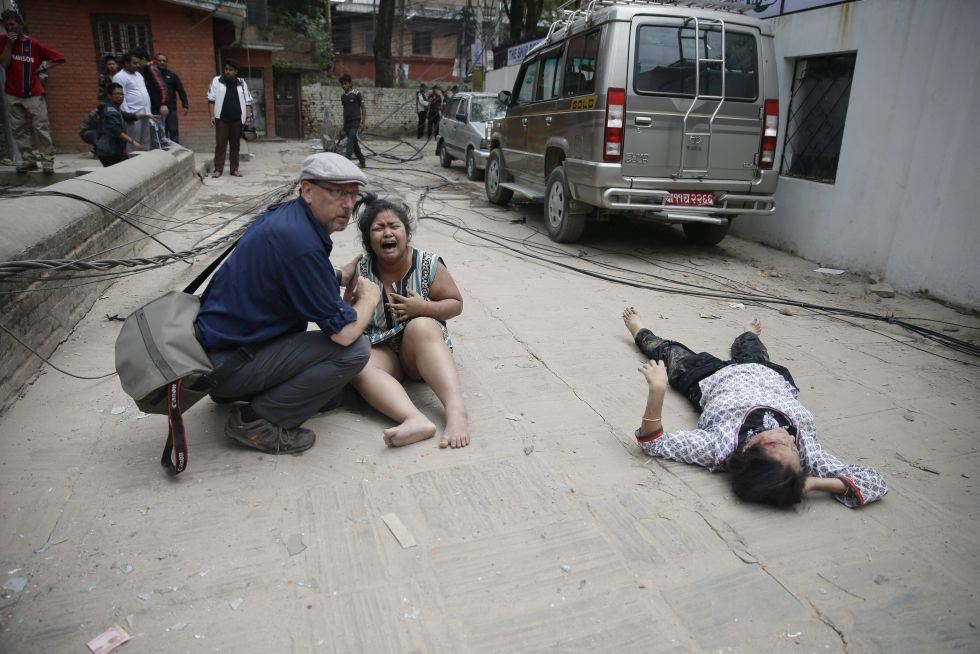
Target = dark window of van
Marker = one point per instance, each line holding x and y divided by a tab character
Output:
449	109
525	86
550	75
817	111
580	64
665	62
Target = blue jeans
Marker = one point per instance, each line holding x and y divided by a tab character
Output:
353	147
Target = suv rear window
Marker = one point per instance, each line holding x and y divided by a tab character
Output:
665	62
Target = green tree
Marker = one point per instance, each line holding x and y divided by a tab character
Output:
523	17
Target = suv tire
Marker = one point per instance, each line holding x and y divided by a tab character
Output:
496	175
472	172
563	225
705	234
444	159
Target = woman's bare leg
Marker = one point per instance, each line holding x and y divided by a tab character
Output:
632	319
378	383
425	355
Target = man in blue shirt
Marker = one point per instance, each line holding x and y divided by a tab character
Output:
279	279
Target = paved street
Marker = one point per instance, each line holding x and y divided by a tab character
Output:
552	531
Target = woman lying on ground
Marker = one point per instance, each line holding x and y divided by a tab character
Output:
408	330
751	423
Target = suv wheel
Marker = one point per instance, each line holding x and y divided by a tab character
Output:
496	175
705	234
563	225
472	171
444	159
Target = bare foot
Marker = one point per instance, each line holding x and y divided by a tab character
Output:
415	429
457	433
754	326
632	319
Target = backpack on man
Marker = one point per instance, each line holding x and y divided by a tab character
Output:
162	365
88	130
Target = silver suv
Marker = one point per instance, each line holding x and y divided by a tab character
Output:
656	109
464	131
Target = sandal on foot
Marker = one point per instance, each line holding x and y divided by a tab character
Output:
216	173
235	173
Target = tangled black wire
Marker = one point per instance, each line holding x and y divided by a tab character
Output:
526	249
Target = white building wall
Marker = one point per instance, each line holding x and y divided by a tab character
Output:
501	79
904	204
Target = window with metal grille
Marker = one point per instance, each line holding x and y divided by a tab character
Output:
369	41
117	35
421	43
343	38
817	112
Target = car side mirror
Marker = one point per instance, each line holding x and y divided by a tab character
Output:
504	98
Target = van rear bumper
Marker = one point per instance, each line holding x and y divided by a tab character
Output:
602	185
733	204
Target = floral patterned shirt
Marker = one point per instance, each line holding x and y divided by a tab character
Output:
728	397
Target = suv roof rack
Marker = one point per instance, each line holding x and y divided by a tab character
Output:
567	16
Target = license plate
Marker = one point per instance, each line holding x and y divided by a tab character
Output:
691	198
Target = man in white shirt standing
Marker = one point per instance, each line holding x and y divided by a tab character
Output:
136	100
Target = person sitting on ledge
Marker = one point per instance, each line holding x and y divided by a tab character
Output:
751	423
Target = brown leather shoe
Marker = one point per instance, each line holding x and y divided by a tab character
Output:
267	437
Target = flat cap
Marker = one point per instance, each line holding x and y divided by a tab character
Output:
332	167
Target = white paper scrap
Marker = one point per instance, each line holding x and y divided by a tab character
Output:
108	640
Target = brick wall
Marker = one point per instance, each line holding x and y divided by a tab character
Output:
420	69
391	112
66	26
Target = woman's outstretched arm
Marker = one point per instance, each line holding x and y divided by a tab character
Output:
703	447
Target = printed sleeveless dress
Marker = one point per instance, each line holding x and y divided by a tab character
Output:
383	327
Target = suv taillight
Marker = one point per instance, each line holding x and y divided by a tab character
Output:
770	128
612	140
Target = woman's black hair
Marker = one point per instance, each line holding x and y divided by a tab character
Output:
370	206
758	478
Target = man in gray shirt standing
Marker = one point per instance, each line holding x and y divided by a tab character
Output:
355	117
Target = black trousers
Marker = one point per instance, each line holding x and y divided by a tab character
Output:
686	369
422	115
434	124
172	125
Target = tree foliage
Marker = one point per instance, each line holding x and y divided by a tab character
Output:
313	27
523	16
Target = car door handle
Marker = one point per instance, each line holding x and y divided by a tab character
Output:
547	121
524	122
643	120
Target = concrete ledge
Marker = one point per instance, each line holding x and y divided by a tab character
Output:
65	228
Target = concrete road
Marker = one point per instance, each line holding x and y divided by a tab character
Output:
551	531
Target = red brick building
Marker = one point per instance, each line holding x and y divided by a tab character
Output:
194	34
